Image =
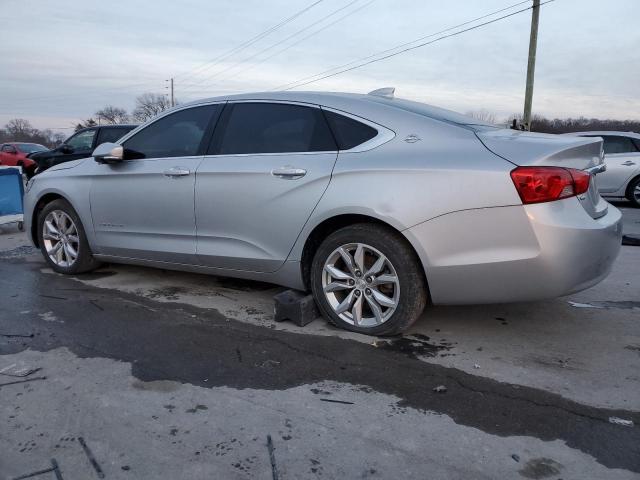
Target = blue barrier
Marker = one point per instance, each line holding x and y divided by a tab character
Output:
11	192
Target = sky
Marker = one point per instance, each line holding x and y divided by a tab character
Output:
63	60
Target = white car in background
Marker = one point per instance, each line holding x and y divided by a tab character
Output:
622	157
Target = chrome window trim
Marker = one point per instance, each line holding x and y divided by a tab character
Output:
384	134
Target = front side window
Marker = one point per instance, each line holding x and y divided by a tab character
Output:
111	135
82	140
349	133
248	128
617	144
176	135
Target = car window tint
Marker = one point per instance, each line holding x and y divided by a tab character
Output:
111	135
176	135
82	140
272	128
348	132
617	144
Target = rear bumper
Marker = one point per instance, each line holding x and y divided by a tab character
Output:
516	253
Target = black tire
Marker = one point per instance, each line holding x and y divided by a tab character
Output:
85	261
635	201
413	289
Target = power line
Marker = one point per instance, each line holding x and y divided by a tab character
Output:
246	44
302	30
249	67
417	46
240	47
284	86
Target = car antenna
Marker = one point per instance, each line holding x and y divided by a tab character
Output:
386	92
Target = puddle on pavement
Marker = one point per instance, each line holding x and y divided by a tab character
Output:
416	346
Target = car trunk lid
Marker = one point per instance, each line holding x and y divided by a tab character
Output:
536	149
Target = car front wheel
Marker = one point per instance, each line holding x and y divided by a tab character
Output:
367	278
62	239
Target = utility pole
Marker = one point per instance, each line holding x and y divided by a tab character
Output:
173	103
531	65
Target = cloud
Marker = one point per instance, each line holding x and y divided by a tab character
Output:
70	59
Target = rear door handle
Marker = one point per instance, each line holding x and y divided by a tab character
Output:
289	173
176	172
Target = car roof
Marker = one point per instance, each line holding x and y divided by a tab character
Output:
349	102
598	133
22	143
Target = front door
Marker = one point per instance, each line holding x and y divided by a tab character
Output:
266	169
142	207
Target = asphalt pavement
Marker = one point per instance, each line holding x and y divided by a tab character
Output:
147	374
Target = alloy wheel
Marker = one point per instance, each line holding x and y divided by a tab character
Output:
60	238
361	285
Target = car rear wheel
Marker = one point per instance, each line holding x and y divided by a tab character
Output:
366	278
62	239
633	192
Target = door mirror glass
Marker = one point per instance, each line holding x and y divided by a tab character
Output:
66	148
108	153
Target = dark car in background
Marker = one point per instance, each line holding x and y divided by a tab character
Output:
80	145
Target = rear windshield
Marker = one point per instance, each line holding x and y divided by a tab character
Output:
436	113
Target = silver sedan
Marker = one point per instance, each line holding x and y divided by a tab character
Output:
377	205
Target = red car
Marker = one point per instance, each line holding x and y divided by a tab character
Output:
15	154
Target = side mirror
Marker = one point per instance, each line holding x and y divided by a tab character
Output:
108	153
66	148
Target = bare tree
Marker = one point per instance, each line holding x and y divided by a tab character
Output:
148	105
112	115
19	129
483	115
89	122
565	125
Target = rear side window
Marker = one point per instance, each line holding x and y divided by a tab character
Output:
111	135
176	135
616	144
271	128
349	133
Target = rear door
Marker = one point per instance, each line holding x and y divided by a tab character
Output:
142	207
623	160
266	169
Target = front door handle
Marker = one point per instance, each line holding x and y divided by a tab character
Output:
176	172
289	173
628	163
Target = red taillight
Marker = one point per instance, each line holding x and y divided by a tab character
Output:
546	184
